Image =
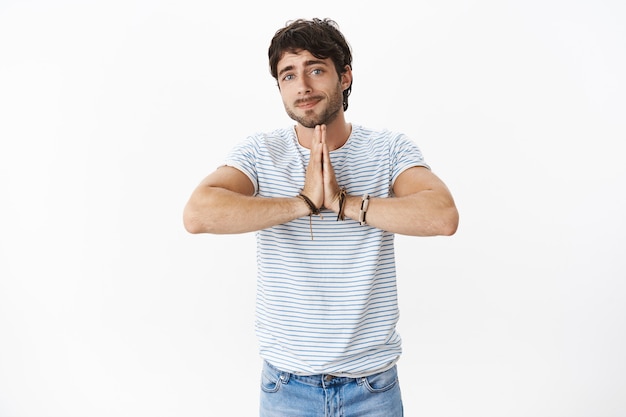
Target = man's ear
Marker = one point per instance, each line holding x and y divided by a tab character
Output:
346	77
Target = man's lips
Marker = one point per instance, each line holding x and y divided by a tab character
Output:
307	103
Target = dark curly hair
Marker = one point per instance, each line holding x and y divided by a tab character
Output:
321	37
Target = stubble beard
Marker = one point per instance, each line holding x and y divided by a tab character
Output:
310	119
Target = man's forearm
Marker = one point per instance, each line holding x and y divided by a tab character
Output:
420	214
220	211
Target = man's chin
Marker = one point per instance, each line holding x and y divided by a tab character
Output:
309	125
308	122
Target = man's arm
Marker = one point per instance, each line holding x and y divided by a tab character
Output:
223	203
422	206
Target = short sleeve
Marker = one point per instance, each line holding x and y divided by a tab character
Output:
244	157
405	154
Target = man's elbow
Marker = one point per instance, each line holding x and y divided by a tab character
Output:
191	226
191	221
450	222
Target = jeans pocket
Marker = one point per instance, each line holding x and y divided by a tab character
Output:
270	382
382	382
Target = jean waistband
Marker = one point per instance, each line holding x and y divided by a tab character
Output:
316	379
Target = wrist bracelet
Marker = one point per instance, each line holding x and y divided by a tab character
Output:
312	208
307	200
365	202
342	204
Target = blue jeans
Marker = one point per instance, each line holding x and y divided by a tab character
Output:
288	395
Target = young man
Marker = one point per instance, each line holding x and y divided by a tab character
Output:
325	198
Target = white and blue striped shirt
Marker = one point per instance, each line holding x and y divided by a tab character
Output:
327	305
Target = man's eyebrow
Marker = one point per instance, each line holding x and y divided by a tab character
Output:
308	63
286	69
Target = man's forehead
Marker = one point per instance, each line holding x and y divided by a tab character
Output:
300	56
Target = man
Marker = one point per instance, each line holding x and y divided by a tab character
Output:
325	198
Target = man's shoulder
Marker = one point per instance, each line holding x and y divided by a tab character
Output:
370	134
268	141
284	133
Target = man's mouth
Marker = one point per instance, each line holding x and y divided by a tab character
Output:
307	103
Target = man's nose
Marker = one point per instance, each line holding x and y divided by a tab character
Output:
303	85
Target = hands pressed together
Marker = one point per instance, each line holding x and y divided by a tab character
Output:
320	184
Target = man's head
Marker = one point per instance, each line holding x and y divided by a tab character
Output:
321	37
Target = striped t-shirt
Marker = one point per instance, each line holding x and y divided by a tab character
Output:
328	304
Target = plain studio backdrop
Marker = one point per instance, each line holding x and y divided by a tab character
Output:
111	112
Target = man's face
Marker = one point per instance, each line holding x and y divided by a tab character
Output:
311	90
